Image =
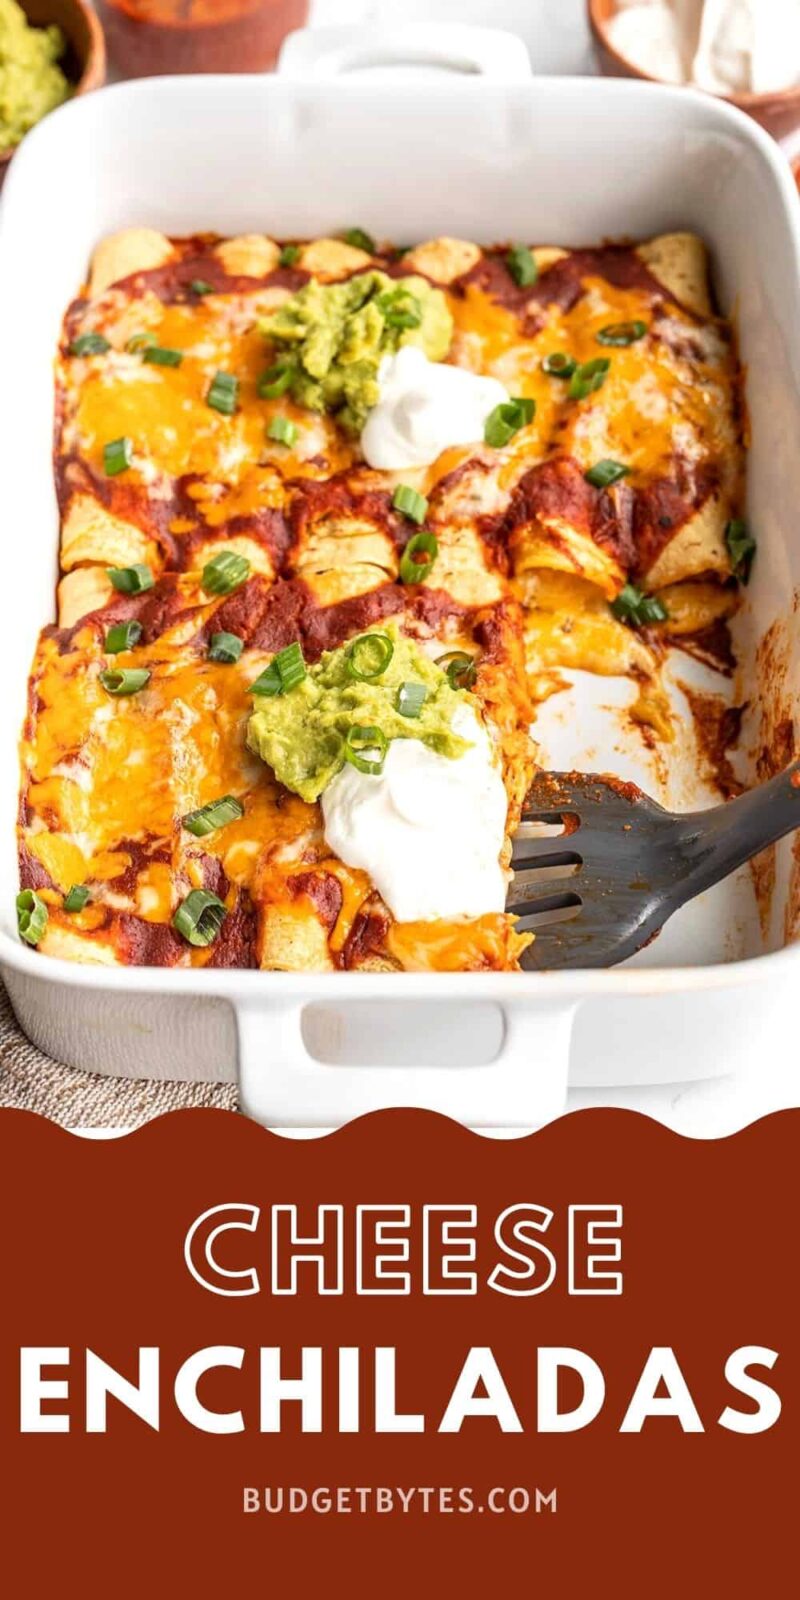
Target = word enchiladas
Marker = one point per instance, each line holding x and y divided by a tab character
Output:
333	516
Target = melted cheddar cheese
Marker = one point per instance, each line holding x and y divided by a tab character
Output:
531	558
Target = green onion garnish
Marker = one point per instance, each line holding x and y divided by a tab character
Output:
201	287
117	456
359	240
283	430
226	571
223	394
413	505
89	344
77	897
124	680
131	580
215	815
588	377
559	364
507	419
289	255
633	606
141	341
622	333
284	672
741	548
522	266
418	557
123	636
460	668
368	656
604	473
199	917
411	698
275	380
400	308
365	749
225	647
32	916
158	355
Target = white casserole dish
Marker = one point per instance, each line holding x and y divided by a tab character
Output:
549	160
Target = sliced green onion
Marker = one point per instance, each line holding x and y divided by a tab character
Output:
32	916
124	680
359	240
201	287
411	698
225	647
223	394
215	815
400	308
365	749
226	571
284	672
289	255
123	636
559	364
507	419
418	557
89	344
283	430
522	266
460	667
199	917
141	341
368	656
158	355
631	605
588	377
622	333
741	548
275	380
604	473
413	505
77	897
117	456
131	580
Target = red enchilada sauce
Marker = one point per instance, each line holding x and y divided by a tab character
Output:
147	37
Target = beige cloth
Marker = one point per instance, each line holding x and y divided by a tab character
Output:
30	1081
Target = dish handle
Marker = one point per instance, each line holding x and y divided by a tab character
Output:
324	53
282	1084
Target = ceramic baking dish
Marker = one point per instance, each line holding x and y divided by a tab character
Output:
485	153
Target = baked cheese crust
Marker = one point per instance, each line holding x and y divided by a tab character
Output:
531	557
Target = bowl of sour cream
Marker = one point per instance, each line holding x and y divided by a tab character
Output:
744	51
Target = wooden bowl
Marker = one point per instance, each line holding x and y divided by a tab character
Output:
778	112
84	61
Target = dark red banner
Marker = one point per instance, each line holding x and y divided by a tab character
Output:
402	1354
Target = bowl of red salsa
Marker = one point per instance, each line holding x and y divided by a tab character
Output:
149	37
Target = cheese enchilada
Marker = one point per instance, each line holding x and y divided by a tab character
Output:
333	516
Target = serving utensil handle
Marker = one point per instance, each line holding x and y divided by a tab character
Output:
284	1086
455	48
729	835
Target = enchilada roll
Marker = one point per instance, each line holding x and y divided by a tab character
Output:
284	721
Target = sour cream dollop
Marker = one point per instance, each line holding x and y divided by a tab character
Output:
425	407
428	830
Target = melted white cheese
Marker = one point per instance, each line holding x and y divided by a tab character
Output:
425	407
428	830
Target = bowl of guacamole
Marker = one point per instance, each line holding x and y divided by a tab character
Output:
49	51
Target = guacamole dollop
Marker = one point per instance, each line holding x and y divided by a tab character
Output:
301	734
31	82
333	336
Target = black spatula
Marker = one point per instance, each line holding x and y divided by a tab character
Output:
599	867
